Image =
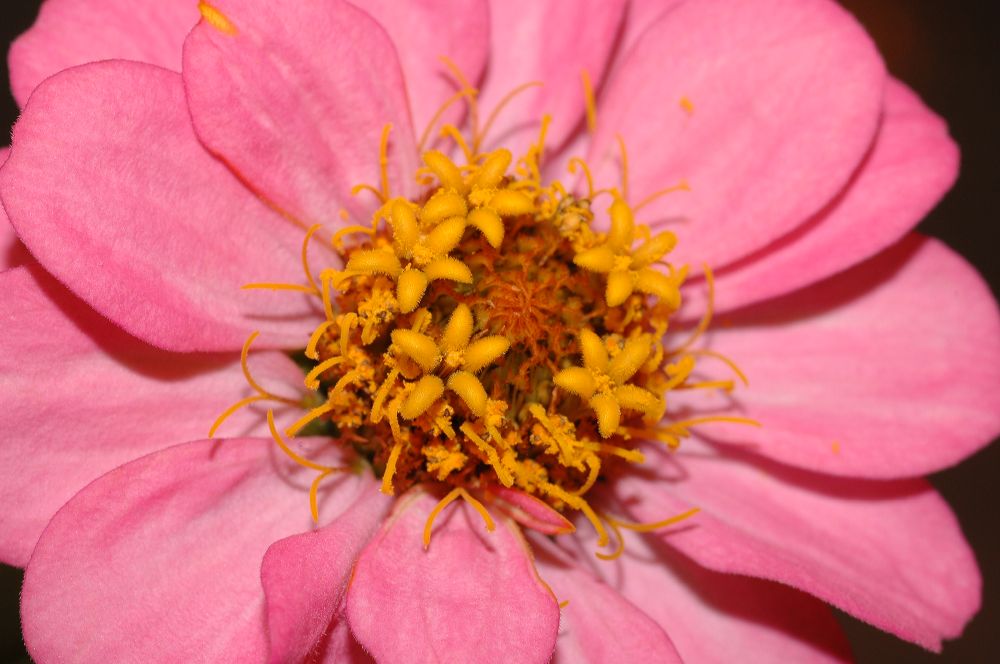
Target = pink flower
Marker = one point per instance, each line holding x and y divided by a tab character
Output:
874	353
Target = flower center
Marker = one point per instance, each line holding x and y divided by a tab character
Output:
486	337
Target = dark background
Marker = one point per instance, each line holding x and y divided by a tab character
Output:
948	52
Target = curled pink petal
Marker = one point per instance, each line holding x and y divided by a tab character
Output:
305	576
530	512
472	595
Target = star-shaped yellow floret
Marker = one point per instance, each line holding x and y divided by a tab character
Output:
424	236
629	271
603	381
454	356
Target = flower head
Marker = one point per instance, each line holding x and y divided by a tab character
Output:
442	366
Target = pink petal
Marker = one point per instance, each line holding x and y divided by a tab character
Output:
305	577
472	596
786	98
891	369
723	618
109	188
911	165
295	99
889	553
12	250
642	14
598	625
550	42
82	397
529	511
73	32
425	30
158	561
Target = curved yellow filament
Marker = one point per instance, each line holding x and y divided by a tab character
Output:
706	318
498	108
447	500
294	456
588	100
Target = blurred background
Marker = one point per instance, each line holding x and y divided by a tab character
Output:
948	53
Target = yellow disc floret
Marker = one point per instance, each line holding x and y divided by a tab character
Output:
484	336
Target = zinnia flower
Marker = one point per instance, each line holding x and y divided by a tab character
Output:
475	354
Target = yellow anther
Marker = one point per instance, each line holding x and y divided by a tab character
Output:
489	224
418	347
374	261
443	206
595	353
405	231
599	259
577	380
656	283
446	236
632	397
509	203
622	230
445	170
484	351
450	269
216	19
493	170
471	391
410	288
653	250
621	284
458	331
425	393
632	356
608	413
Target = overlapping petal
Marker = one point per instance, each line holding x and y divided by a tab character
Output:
721	618
889	553
428	30
188	526
912	163
109	189
746	100
305	578
599	625
294	97
12	250
891	369
471	596
82	397
73	32
552	43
